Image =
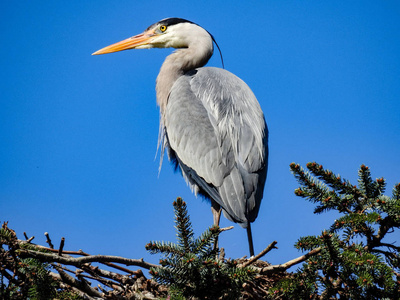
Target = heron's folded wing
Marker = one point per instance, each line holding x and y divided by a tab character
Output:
217	130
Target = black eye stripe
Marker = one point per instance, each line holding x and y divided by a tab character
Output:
169	22
173	21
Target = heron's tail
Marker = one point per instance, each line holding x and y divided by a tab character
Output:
250	239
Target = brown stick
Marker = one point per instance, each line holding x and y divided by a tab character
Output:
70	287
259	255
226	228
28	240
80	252
79	284
60	250
48	240
290	263
78	261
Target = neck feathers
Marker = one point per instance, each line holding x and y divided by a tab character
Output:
178	63
197	54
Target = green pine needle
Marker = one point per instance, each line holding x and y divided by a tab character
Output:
191	267
354	262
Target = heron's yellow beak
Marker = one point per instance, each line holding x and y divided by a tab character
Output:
131	43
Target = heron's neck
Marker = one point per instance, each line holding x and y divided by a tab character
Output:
177	64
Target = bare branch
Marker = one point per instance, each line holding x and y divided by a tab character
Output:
81	285
226	228
290	263
80	252
390	246
82	294
28	240
48	240
60	250
259	255
77	262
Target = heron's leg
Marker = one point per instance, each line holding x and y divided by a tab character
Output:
250	239
216	215
216	211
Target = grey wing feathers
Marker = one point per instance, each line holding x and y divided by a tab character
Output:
216	131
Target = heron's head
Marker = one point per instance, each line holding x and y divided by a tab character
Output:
171	32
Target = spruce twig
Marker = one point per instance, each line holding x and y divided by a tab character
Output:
353	265
191	266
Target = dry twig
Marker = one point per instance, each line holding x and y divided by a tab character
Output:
290	263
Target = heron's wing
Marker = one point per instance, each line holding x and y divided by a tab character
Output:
216	129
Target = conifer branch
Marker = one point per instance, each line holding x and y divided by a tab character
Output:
191	266
351	260
348	267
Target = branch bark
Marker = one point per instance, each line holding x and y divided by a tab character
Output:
290	263
259	255
78	261
81	285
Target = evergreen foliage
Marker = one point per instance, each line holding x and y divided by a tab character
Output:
42	286
357	257
191	267
355	262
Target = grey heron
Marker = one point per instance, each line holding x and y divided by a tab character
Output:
210	121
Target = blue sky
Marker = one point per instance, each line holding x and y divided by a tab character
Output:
79	132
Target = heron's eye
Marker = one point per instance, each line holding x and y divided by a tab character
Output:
163	28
